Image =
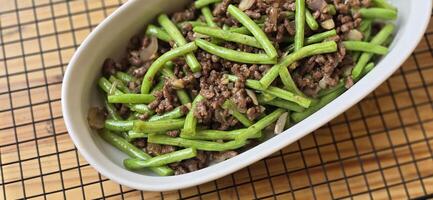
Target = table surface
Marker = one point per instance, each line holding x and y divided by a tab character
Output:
381	148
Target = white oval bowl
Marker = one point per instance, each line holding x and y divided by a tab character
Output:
109	39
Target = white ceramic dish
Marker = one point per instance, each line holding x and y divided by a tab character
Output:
109	39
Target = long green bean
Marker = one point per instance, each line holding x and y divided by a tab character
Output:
141	108
228	35
131	98
198	144
233	55
365	47
254	29
253	84
288	82
319	37
134	134
218	135
119	84
208	17
174	114
189	127
378	13
112	112
192	23
378	39
289	96
181	93
261	124
177	36
233	110
327	91
160	61
176	156
159	33
126	78
297	117
281	103
384	4
313	49
118	125
201	3
311	22
106	85
157	126
368	68
299	24
133	151
158	86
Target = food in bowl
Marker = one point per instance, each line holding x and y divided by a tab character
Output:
215	79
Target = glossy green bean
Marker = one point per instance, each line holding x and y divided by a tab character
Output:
126	78
201	3
299	24
311	22
383	4
319	37
378	13
134	134
327	91
174	114
313	49
112	111
159	33
233	110
368	68
208	17
119	84
297	117
378	39
177	36
118	125
254	29
243	30
141	108
288	82
160	61
365	47
261	124
132	151
233	55
106	85
172	157
158	86
131	98
192	23
198	144
157	126
218	135
181	93
280	103
228	36
189	127
331	9
289	96
253	84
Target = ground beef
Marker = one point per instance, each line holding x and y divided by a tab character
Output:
140	143
158	149
165	100
185	15
221	156
173	133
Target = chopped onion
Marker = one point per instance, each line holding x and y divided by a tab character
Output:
198	35
150	51
281	123
246	4
253	96
197	75
322	83
113	88
328	24
354	35
188	105
316	4
178	83
96	117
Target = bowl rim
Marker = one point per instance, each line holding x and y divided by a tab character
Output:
365	86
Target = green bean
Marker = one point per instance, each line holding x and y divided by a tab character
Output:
134	134
286	95
189	127
119	84
319	37
158	86
181	94
331	9
297	117
112	111
133	151
299	24
174	114
261	124
118	125
327	91
193	24
177	36
254	29
233	110
384	4
176	156
265	97
201	3
311	22
313	49
281	103
365	28
228	35
126	78
218	135
157	126
131	98
249	83
233	55
159	33
198	144
368	68
378	13
365	47
160	61
106	85
141	108
288	14
378	39
288	82
208	17
243	30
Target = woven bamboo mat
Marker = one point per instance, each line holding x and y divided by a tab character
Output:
379	149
